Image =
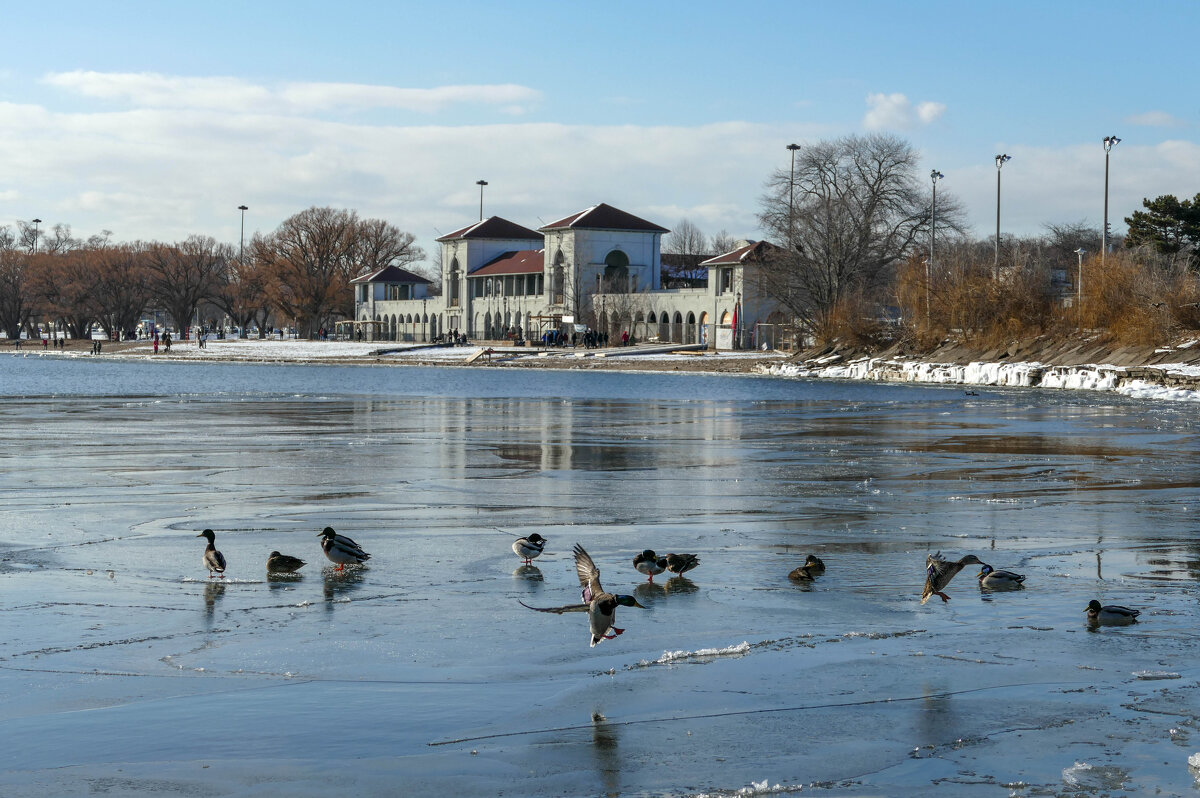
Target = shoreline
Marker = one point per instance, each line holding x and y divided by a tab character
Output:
1169	373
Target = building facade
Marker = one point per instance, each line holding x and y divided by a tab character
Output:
600	268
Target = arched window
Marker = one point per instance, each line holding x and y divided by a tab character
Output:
455	280
556	279
616	272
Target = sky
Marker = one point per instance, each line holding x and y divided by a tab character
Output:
155	121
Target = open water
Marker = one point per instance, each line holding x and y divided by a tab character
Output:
125	671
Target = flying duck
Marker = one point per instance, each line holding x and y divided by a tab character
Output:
940	571
600	605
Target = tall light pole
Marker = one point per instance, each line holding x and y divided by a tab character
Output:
36	222
792	195
242	245
481	184
934	176
1079	286
1109	143
1000	161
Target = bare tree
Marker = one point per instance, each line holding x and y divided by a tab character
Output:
683	249
854	210
16	304
311	258
122	287
243	294
722	242
184	275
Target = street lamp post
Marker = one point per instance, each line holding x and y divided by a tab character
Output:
1109	143
481	184
36	222
935	176
242	245
1079	286
1000	161
792	195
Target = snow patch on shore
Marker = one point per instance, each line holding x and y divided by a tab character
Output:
1095	377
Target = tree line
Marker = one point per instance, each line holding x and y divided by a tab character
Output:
856	259
300	273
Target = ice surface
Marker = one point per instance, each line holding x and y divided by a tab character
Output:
124	669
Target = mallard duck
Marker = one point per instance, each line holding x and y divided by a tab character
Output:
681	563
214	560
989	577
812	568
940	571
650	564
600	605
528	548
341	549
283	564
1113	614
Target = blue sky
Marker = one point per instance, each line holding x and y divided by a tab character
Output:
155	120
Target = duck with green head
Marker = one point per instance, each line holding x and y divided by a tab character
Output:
599	604
214	560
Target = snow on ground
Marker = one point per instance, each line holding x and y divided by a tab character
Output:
1094	377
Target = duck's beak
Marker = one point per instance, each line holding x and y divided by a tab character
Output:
635	603
200	535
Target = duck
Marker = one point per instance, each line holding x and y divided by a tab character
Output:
283	564
599	604
1113	614
341	549
650	564
680	564
989	577
529	548
214	560
812	568
939	571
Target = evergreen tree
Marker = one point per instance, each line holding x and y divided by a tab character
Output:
1170	225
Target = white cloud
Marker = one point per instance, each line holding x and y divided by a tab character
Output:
153	90
929	112
896	112
1154	119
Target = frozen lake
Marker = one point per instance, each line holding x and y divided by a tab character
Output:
125	671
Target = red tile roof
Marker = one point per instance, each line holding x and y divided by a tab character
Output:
755	252
604	217
390	274
525	261
492	227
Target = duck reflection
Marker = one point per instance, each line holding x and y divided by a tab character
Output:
680	585
649	591
938	716
340	583
283	581
530	573
606	748
212	591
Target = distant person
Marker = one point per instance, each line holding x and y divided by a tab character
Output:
167	341
625	338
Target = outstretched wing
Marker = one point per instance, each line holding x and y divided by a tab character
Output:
589	574
556	610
